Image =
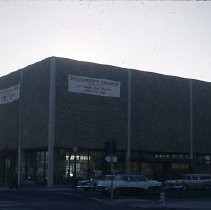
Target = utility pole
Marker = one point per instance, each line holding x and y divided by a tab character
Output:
19	172
191	126
51	120
128	153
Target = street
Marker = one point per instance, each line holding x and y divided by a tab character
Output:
69	199
42	199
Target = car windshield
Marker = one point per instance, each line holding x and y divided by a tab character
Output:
185	177
131	178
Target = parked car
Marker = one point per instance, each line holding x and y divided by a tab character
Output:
124	183
86	185
192	181
174	185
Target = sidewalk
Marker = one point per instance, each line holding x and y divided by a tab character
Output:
200	204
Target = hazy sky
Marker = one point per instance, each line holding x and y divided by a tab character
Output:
168	37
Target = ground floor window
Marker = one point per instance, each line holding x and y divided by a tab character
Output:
87	163
35	166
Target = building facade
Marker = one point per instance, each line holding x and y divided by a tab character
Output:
58	117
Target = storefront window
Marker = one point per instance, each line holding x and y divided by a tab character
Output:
35	167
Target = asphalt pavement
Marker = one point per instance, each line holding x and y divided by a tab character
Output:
67	199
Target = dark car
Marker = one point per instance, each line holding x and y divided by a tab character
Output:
86	184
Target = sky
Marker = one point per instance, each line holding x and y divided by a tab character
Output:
167	37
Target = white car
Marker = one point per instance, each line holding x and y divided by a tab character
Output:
191	181
128	183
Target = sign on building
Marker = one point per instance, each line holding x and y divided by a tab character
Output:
93	86
10	94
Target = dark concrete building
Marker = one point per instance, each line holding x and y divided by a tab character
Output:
58	117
